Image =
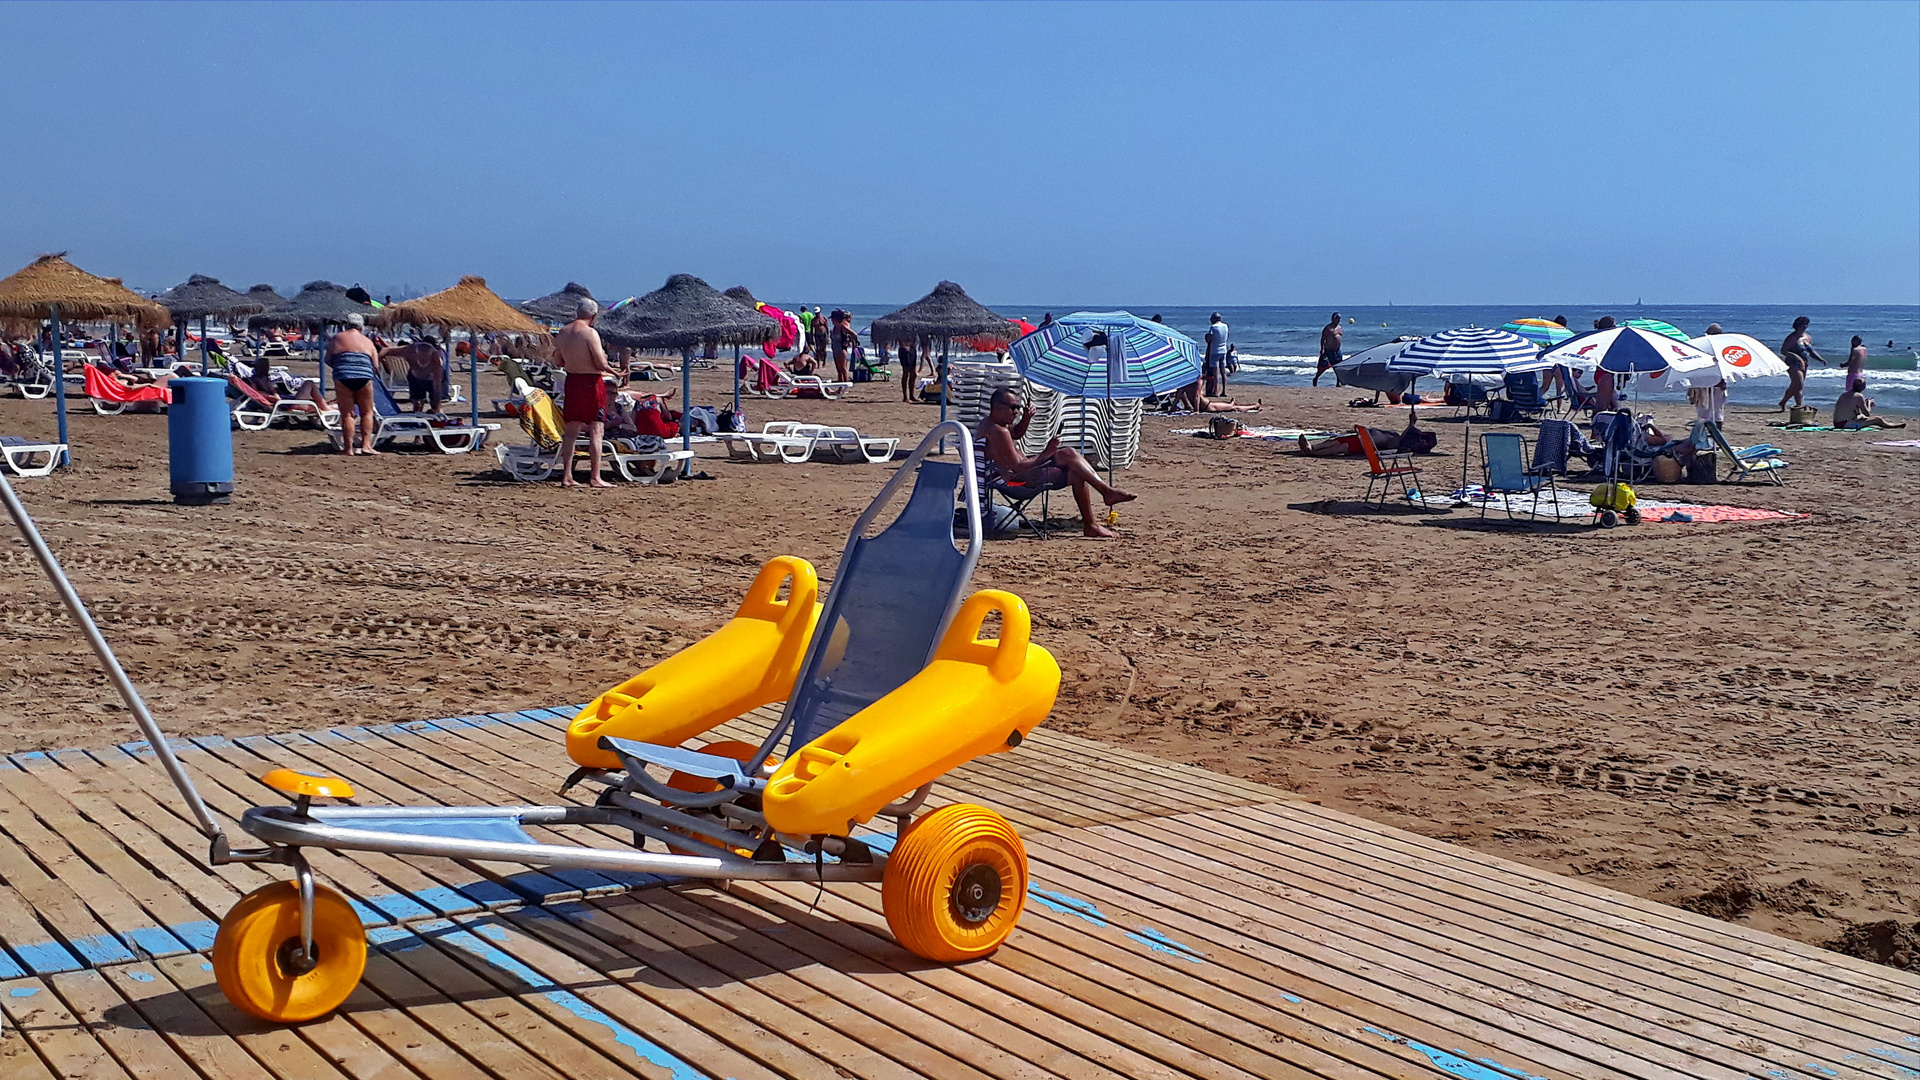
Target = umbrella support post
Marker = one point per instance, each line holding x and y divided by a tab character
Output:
473	371
60	387
946	344
203	348
686	398
736	383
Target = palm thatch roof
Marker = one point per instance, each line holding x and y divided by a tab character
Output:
469	303
265	295
317	304
743	295
202	297
32	292
946	312
683	313
558	307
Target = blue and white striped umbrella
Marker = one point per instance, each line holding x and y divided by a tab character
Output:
1470	350
1143	357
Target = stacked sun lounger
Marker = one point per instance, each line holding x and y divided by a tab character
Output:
1110	428
971	383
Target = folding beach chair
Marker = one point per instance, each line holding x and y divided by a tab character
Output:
1744	461
1522	399
1508	475
1384	473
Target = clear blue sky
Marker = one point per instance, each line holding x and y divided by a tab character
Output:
1232	154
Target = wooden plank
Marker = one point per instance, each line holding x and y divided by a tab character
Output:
784	1040
285	1052
920	1043
191	1032
18	1060
1353	877
430	1008
54	902
108	865
451	973
1606	909
1074	1040
1638	1011
139	1049
1497	1000
626	1027
64	1043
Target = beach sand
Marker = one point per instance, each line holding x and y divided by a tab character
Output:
1721	715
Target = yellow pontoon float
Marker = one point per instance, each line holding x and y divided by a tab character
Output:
894	689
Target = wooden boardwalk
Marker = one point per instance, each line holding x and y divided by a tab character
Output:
1181	923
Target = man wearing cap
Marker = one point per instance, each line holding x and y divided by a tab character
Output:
1330	336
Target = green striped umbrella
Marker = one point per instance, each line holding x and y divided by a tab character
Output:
1655	326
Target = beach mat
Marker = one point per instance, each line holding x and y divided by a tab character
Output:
1572	505
1899	442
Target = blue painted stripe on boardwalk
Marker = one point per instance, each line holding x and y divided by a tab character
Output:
472	940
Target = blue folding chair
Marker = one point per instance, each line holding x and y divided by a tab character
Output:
1507	474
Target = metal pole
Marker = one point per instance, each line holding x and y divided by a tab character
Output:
473	372
203	345
115	673
320	359
946	344
686	397
60	386
736	382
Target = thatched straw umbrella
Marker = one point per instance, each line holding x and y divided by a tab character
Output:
472	305
943	314
52	288
201	297
682	314
266	296
318	305
558	307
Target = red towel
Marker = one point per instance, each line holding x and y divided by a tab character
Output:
107	388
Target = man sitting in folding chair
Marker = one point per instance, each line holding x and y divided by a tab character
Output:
996	447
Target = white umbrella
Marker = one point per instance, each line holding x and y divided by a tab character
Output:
1736	357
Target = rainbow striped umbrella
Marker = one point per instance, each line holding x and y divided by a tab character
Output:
1142	356
1542	332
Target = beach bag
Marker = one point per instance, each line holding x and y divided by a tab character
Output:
732	421
702	419
1703	469
1614	496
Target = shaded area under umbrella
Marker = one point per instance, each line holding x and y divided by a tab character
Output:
202	297
318	305
52	288
684	314
557	307
942	315
471	304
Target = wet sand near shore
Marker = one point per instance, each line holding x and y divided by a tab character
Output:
1722	715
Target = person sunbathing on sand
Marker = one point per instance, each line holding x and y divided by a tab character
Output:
1855	409
1412	441
997	446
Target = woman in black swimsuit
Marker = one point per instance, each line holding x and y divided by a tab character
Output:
1796	351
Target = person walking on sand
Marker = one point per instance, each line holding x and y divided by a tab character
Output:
1796	350
909	369
578	345
844	340
350	353
1214	366
1330	338
996	449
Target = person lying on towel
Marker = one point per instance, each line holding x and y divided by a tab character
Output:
1412	440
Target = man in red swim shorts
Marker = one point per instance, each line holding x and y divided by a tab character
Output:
586	393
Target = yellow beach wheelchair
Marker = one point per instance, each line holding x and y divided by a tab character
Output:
887	686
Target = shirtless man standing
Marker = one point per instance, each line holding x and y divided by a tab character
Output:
424	370
578	346
1330	336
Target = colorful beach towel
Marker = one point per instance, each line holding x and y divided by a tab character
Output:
1573	505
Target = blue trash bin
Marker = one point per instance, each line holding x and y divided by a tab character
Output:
200	441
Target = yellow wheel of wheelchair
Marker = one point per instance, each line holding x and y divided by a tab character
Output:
258	961
955	884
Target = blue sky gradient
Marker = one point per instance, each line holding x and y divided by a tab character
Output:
1194	153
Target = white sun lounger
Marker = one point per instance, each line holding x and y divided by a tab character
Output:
20	454
773	442
844	443
532	464
786	386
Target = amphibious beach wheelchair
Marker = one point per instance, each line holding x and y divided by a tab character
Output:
893	689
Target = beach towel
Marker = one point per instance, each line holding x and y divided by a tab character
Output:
1279	434
1899	442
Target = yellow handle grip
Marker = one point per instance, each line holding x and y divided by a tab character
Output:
1005	658
760	602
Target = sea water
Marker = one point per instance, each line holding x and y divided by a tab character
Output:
1278	346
